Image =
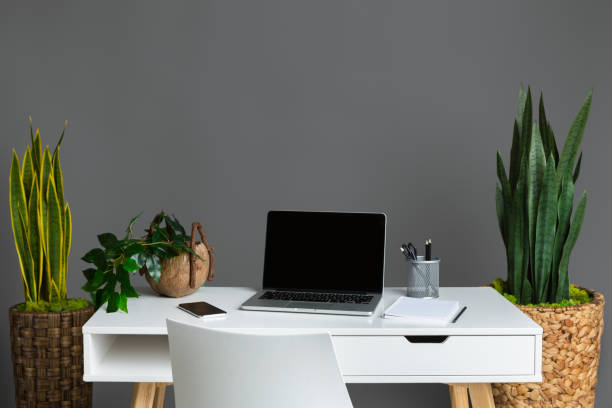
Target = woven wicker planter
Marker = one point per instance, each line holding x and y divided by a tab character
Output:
571	344
47	353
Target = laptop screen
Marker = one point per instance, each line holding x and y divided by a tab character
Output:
325	251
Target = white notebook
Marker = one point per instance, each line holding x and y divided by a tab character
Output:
423	311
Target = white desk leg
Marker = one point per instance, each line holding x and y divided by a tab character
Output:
459	395
481	395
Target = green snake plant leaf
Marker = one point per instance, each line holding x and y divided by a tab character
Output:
34	232
58	178
67	243
536	165
545	231
37	156
506	193
59	143
572	236
526	292
17	204
27	173
577	169
520	108
46	171
574	137
499	207
542	126
552	143
515	155
54	237
526	124
27	258
564	212
515	249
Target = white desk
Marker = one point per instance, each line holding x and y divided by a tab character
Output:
491	342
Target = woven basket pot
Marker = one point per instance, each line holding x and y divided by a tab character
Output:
184	274
571	343
47	354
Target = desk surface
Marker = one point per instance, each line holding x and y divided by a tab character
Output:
488	313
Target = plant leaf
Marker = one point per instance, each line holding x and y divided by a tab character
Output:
526	124
564	212
542	126
574	137
18	205
89	273
536	165
55	237
67	242
122	303
572	236
545	231
35	232
113	303
130	265
28	175
577	169
515	155
108	240
97	257
515	250
95	281
154	267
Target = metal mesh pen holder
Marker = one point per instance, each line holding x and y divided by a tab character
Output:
423	278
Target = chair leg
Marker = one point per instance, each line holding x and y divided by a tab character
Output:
481	395
459	395
143	395
160	393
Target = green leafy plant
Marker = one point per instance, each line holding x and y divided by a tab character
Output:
42	226
118	258
535	203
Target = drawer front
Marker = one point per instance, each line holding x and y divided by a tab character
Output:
452	355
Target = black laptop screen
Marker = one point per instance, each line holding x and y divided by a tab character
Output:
324	251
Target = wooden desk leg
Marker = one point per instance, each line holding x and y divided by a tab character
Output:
160	392
459	395
143	395
481	395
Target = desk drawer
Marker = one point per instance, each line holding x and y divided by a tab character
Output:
436	356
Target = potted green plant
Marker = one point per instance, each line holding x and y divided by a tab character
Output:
535	202
173	263
45	330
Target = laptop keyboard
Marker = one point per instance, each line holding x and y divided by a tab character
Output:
317	297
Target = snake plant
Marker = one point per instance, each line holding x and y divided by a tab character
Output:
42	225
534	203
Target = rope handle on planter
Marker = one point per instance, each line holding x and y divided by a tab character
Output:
196	226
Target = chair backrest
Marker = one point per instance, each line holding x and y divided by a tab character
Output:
221	369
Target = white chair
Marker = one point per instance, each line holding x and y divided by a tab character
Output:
221	369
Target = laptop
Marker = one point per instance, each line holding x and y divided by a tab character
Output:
322	262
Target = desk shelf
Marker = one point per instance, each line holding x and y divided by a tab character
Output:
127	358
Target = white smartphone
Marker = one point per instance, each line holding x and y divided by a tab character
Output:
202	309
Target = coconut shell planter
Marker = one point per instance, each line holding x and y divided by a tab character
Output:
571	344
185	273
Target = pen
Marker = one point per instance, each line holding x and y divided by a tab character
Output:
428	250
459	314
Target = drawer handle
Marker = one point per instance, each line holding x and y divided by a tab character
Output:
426	339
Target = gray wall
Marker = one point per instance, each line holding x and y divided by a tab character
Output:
221	110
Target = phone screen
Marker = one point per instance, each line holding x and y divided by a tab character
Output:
201	309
